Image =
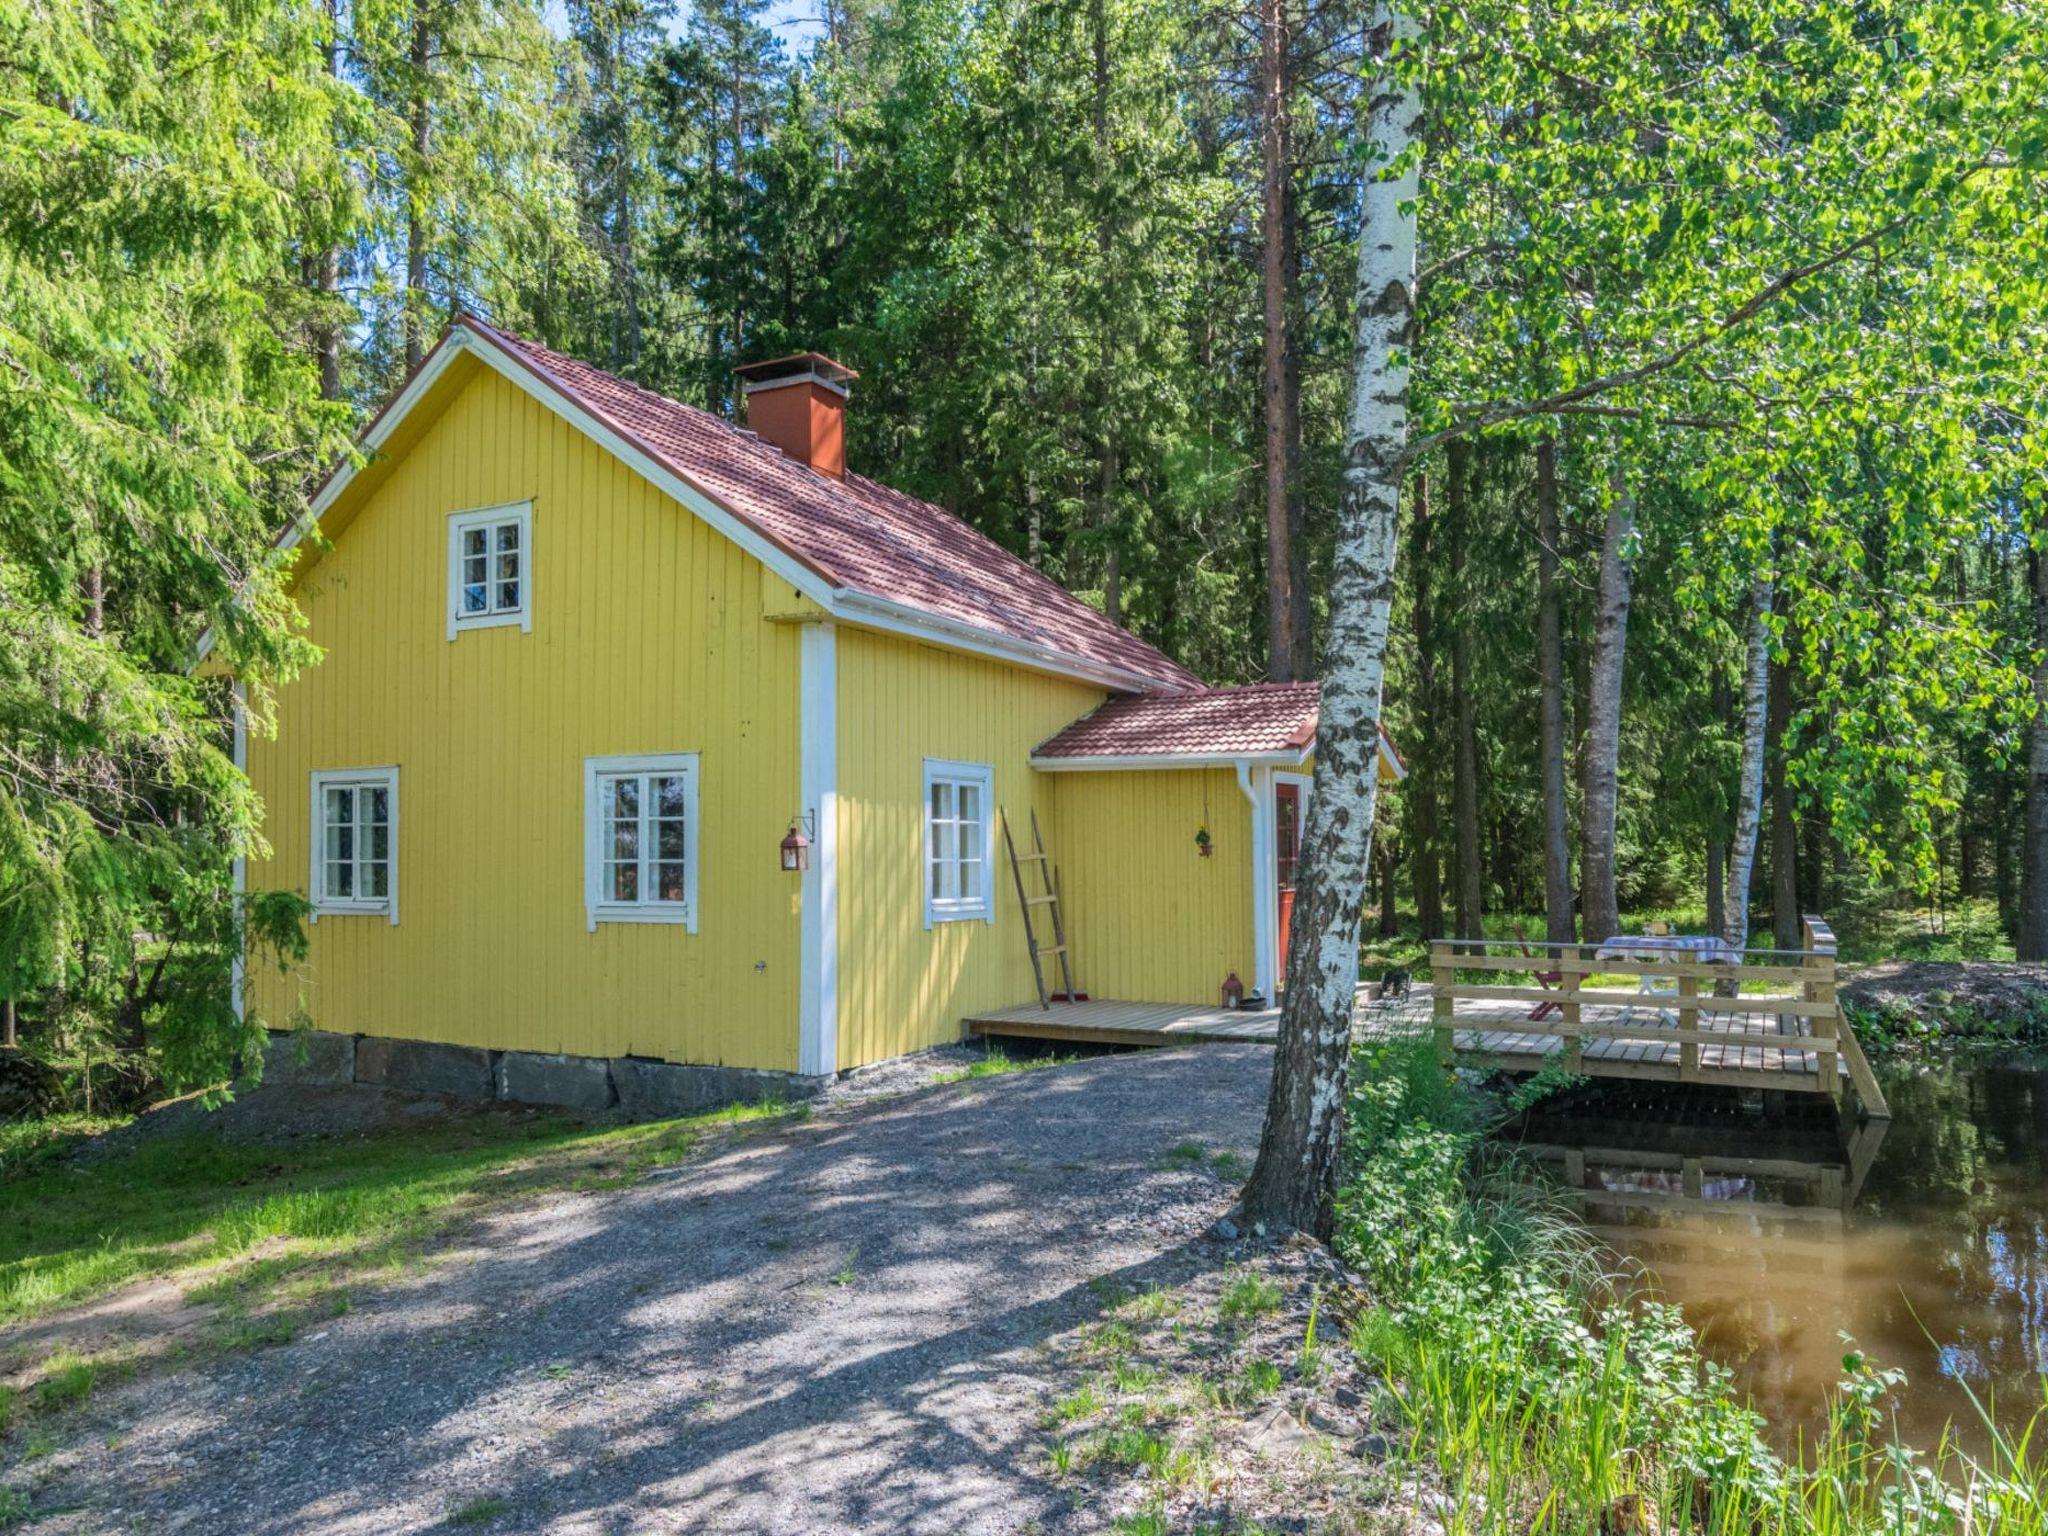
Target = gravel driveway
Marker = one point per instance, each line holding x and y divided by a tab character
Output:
833	1325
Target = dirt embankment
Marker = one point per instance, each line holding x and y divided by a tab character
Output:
1970	998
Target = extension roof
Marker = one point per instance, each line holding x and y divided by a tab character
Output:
1274	722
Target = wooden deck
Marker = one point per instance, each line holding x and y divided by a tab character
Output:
1101	1021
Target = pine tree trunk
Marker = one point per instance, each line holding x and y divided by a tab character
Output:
1294	1182
1749	792
1471	880
1279	376
1603	726
1390	916
1785	932
1421	790
1105	251
1557	850
421	58
2031	942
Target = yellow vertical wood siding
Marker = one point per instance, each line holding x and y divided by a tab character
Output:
1154	920
648	636
903	987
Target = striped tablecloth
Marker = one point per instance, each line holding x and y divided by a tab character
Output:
1675	948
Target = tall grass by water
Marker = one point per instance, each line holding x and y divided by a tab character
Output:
1552	1396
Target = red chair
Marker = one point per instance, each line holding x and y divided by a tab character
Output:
1547	980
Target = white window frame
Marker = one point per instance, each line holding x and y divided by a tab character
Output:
316	885
460	523
599	908
982	906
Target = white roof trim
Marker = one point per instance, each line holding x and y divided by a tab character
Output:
1130	761
864	608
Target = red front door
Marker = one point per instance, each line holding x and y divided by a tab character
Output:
1286	850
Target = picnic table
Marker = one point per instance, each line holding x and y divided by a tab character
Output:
1673	947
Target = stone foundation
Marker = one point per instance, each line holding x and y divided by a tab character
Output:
634	1086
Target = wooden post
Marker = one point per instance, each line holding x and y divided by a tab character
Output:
1575	1167
1820	988
1574	1044
1688	1022
1442	985
1692	1178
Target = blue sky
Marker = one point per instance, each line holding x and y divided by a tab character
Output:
797	22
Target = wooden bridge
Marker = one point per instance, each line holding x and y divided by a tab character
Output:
1757	1019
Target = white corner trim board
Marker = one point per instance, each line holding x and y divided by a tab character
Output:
1257	783
818	790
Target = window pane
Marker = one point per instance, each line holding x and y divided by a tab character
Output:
970	804
475	541
942	801
341	879
341	805
379	844
668	795
376	880
508	595
668	839
474	598
625	798
626	840
668	882
626	882
379	807
508	536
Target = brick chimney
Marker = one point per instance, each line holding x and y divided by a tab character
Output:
798	403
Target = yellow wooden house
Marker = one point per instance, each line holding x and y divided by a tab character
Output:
600	667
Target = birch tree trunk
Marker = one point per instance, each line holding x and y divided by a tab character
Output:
1294	1183
1557	849
1749	794
2031	942
1603	725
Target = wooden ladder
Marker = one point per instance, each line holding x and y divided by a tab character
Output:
1048	898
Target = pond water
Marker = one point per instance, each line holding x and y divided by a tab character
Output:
1778	1230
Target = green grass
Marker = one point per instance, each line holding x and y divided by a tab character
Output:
1247	1297
174	1205
998	1063
478	1511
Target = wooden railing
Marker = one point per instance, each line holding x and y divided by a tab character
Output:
1783	1001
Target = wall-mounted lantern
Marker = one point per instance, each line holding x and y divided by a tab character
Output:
1203	843
796	846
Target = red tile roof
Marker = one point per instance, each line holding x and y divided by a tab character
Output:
855	534
1261	720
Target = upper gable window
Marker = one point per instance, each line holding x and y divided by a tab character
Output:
490	568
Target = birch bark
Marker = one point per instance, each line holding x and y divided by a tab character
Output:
1294	1183
1749	797
1603	726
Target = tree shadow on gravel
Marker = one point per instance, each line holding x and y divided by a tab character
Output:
834	1325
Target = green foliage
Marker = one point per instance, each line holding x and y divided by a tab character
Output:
1552	1400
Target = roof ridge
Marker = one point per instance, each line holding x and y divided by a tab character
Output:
859	509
